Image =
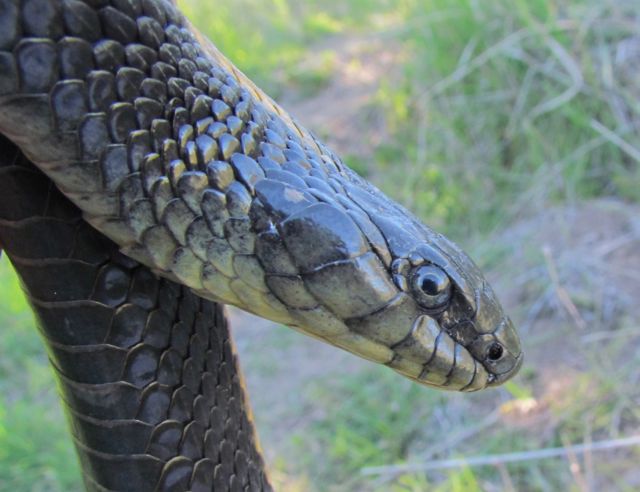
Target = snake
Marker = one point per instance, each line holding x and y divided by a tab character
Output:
145	183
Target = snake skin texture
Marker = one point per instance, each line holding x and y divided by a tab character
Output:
146	369
178	158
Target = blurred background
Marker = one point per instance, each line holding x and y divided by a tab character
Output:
512	126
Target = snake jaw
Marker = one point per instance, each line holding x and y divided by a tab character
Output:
474	317
504	362
487	333
449	360
498	379
447	345
431	356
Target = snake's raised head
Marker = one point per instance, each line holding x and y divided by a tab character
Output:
463	324
220	189
394	291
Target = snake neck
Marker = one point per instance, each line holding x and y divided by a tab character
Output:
147	369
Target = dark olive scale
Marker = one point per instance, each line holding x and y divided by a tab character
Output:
76	58
118	25
109	55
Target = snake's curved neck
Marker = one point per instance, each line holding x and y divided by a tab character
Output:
146	369
178	158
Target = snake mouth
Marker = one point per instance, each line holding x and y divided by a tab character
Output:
499	352
495	356
498	379
431	356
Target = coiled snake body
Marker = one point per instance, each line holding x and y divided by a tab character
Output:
205	189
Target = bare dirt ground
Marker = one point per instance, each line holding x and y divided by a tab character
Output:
573	274
573	283
342	113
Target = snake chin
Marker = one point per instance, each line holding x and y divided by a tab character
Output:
431	356
498	379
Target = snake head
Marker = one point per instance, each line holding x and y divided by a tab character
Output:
365	275
443	325
461	308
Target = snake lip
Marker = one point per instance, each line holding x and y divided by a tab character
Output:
498	379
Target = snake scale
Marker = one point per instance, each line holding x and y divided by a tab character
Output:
146	368
119	117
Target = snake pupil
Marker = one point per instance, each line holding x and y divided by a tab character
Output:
430	286
495	351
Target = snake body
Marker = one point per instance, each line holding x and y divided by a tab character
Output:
193	172
146	369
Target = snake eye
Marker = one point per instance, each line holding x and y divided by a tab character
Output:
431	286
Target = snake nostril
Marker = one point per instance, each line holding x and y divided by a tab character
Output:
495	352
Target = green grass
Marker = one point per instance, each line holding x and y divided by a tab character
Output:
374	420
267	39
502	110
504	99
